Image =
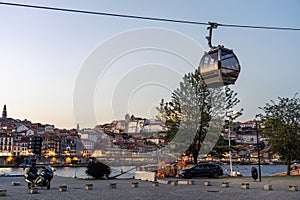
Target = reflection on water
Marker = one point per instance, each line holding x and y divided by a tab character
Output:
266	170
79	172
8	170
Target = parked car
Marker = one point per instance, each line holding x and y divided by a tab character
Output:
205	169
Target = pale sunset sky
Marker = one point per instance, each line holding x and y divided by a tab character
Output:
42	53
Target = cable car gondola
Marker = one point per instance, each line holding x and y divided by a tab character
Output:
219	66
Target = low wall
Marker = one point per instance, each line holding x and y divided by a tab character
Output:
145	176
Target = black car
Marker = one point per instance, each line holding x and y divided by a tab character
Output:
205	169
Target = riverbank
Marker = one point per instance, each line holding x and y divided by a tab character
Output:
245	170
145	190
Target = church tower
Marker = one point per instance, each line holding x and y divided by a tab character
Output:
4	112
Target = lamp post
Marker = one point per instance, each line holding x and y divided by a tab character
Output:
231	114
257	119
229	144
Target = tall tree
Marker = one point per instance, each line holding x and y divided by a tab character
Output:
191	110
282	120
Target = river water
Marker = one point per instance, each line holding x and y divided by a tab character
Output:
79	172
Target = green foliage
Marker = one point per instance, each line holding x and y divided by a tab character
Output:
194	103
98	170
282	120
219	151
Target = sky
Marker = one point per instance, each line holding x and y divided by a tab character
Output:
54	65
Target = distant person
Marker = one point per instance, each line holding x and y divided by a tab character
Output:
25	163
254	173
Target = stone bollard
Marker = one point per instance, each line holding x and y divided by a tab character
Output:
3	192
33	190
63	188
113	185
191	182
154	183
88	186
134	184
225	184
293	188
14	183
268	187
174	183
207	183
245	186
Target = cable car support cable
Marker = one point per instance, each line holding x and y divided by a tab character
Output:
147	18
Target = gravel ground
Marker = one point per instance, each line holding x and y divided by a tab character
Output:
101	190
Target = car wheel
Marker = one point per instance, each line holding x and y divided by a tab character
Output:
48	185
215	175
188	175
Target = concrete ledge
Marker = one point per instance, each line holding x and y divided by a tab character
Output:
134	184
293	188
225	184
14	183
63	188
268	187
145	176
113	185
3	192
164	181
186	182
207	183
245	185
88	186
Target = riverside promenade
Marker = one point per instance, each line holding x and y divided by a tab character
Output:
76	189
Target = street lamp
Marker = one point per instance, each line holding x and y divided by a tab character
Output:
230	157
231	114
229	146
257	119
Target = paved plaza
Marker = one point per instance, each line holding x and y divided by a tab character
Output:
76	189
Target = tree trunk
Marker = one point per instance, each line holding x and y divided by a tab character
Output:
195	156
288	168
